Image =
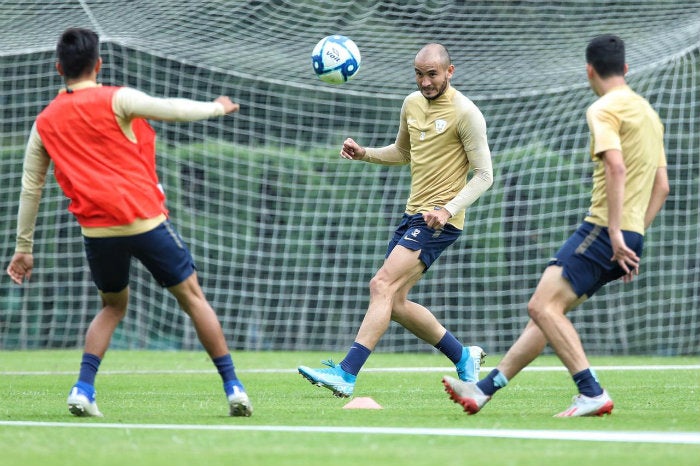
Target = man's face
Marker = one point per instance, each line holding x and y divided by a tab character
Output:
432	78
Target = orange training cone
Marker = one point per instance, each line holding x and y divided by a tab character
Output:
362	403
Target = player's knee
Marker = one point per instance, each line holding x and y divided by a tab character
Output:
114	311
377	285
380	286
539	309
535	309
115	303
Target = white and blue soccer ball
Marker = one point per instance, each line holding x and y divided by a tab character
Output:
336	59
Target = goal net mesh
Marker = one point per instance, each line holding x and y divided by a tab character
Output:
286	235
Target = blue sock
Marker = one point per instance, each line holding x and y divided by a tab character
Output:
224	364
450	347
587	383
492	382
87	388
88	369
355	359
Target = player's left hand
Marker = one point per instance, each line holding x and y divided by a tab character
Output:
229	107
437	218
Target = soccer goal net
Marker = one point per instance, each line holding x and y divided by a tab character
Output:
286	234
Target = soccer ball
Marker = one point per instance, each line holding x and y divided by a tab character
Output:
336	59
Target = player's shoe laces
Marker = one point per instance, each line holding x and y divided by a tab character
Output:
469	366
467	394
239	403
589	406
81	402
334	378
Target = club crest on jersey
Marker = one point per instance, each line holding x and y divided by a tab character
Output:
440	126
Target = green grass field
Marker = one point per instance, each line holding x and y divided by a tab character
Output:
168	408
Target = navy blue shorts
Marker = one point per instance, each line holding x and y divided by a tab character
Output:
414	234
160	250
585	258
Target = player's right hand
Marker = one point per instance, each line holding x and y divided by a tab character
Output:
352	150
625	257
20	267
229	107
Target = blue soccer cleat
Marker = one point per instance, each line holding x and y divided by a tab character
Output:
334	378
469	366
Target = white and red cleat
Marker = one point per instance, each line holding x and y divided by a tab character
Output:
466	394
589	406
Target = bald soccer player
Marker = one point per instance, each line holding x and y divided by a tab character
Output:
442	136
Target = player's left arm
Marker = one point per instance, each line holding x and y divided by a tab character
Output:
131	103
659	193
472	132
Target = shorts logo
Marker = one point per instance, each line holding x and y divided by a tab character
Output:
440	126
414	234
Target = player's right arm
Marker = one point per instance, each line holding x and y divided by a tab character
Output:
398	153
36	165
388	155
615	176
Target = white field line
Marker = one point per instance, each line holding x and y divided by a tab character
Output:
687	438
691	438
658	367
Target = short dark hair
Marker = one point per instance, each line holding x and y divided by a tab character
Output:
606	53
78	51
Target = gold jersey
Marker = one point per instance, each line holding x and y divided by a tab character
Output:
443	135
623	120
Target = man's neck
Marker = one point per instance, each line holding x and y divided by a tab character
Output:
606	85
88	77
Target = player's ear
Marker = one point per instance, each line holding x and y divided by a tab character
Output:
98	65
590	71
627	68
59	68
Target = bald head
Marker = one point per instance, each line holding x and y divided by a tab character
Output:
434	54
434	70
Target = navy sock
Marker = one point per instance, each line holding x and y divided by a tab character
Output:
587	383
450	347
355	359
224	364
88	369
492	382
